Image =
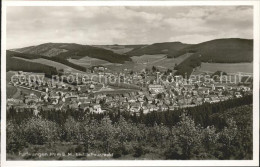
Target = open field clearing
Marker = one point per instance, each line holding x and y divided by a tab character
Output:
148	58
88	62
10	89
9	74
226	67
148	61
170	62
51	63
120	49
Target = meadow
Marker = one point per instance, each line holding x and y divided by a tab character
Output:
148	61
57	65
227	67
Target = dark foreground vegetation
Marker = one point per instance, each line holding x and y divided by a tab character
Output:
210	131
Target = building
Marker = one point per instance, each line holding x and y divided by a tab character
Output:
156	88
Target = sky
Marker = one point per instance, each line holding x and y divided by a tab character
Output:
33	25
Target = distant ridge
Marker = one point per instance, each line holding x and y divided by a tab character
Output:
120	49
158	48
230	50
72	50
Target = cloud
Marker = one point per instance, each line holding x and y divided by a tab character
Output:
126	25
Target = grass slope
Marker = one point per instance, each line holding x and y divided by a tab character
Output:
120	49
158	48
16	64
233	50
58	60
10	89
57	65
226	67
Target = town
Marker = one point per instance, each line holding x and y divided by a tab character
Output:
133	92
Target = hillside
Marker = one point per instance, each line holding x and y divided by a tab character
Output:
75	51
16	64
15	55
51	63
232	50
158	48
120	49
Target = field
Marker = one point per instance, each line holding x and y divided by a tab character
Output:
226	67
10	90
148	61
120	49
15	92
51	63
88	62
9	74
139	62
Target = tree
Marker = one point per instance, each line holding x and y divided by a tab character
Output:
154	69
122	131
106	133
14	140
40	131
90	133
227	136
72	130
188	135
210	137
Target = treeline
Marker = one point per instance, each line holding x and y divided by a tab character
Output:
185	140
158	48
186	67
210	131
16	64
65	62
55	59
94	52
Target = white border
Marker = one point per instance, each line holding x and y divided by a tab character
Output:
254	162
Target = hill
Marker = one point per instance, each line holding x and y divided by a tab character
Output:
232	50
16	64
72	50
11	55
158	48
120	49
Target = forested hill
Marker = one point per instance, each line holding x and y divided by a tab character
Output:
72	50
232	50
15	64
158	48
12	61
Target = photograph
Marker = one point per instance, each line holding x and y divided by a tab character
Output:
129	82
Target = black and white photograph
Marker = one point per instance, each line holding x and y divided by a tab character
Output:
95	83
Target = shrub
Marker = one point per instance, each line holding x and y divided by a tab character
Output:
79	149
174	152
138	151
117	153
70	150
